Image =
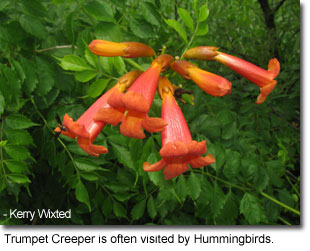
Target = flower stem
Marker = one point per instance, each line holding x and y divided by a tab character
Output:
57	47
134	64
262	193
1	153
190	41
285	221
59	140
224	181
292	185
280	203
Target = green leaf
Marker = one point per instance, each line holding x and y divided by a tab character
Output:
148	148
229	131
250	166
122	196
230	211
2	186
276	170
16	66
150	13
156	177
233	164
119	65
19	137
69	28
195	6
85	76
220	156
107	65
18	121
207	125
81	194
224	117
86	165
119	210
90	176
119	139
138	210
252	210
123	155
34	7
203	29
107	207
261	179
17	152
74	63
33	26
187	19
16	166
108	31
96	88
4	4
217	200
91	58
18	178
46	76
101	11
31	79
2	103
181	187
151	207
203	12
141	29
177	27
193	186
3	143
206	193
10	84
135	148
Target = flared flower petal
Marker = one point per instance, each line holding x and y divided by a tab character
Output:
131	108
178	149
86	129
124	49
212	84
263	78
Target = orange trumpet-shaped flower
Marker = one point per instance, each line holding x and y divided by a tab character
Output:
178	149
86	129
132	107
124	49
212	84
263	78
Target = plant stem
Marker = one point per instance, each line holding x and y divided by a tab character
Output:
99	68
262	193
224	181
57	47
59	140
134	64
284	221
1	153
289	181
190	41
280	203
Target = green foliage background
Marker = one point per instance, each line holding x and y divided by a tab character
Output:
47	69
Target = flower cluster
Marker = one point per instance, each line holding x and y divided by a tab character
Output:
129	101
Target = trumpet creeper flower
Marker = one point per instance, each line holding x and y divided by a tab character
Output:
130	109
86	129
212	84
262	78
178	149
124	49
